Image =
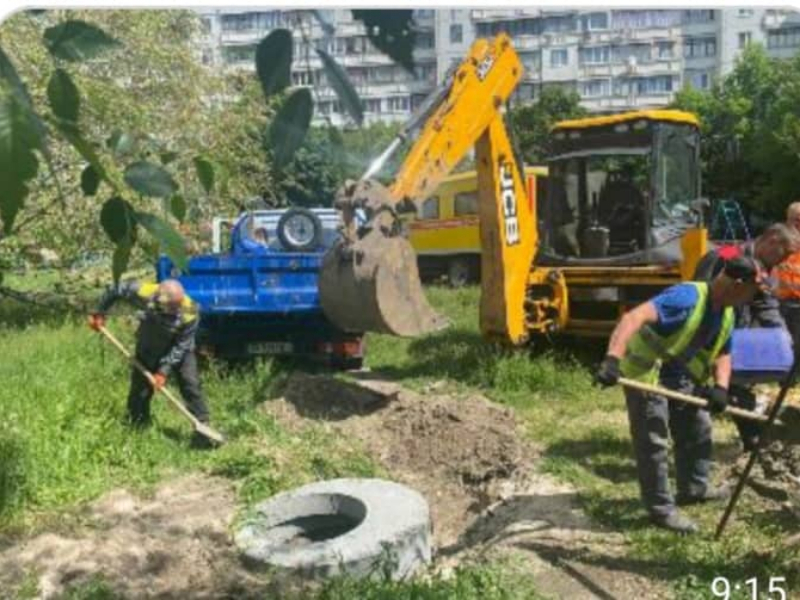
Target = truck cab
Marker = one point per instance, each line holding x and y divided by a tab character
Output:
258	292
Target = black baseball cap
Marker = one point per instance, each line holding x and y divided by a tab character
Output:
743	268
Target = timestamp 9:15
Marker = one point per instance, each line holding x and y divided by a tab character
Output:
721	587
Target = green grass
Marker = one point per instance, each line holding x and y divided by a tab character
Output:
64	440
584	436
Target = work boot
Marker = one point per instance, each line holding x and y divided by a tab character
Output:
676	522
712	494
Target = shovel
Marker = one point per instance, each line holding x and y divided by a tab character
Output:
694	400
199	427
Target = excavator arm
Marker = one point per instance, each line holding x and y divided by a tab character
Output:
370	281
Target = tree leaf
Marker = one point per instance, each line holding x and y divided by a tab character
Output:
77	40
121	143
119	221
120	260
90	181
172	244
177	206
63	96
391	32
73	135
19	137
274	61
205	173
150	180
341	83
290	125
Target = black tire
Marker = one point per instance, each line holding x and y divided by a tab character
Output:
459	271
315	241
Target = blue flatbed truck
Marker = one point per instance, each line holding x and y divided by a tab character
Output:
258	292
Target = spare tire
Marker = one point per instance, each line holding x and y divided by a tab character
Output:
362	527
299	230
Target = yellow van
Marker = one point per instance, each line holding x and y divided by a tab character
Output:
444	232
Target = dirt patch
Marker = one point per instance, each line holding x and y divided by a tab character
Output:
469	459
461	453
172	545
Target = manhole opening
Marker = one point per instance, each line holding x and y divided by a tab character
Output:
316	518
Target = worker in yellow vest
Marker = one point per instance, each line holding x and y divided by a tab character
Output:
681	339
787	281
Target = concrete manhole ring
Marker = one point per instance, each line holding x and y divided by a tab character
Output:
362	527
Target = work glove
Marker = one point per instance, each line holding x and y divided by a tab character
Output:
717	397
159	381
97	321
607	373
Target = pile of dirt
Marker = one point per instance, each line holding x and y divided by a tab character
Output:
775	475
174	544
462	452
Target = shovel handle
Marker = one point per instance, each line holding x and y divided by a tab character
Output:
198	426
694	400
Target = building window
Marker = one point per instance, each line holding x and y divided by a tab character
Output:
372	105
698	16
206	25
745	12
465	203
423	14
456	34
595	87
424	72
594	56
239	54
559	24
660	84
784	38
642	19
532	61
665	50
559	58
594	21
699	81
423	41
207	56
699	47
744	39
639	53
399	104
430	208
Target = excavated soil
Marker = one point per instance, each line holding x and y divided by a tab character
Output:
469	459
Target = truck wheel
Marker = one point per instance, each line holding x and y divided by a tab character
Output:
355	526
459	272
299	230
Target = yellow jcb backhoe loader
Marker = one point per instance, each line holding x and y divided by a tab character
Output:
619	222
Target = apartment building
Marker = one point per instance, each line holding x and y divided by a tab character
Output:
614	59
635	59
388	91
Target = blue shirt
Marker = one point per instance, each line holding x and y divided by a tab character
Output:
674	306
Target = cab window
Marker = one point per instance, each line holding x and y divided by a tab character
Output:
466	203
430	208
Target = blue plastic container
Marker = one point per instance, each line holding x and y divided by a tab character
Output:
761	355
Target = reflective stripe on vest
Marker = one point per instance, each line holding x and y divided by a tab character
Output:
787	277
647	351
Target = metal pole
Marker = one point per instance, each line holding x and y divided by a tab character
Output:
762	442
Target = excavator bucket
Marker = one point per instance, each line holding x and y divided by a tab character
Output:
369	281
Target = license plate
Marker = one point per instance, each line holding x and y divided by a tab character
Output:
270	348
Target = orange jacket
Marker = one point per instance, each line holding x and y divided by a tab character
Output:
787	277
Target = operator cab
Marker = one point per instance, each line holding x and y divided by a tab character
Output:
622	189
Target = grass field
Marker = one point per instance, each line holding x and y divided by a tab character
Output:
63	442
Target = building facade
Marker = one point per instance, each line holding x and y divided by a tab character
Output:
614	59
388	91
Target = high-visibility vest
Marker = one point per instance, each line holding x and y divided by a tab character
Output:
647	350
787	278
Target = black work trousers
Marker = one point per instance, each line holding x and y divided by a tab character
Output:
653	420
188	378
